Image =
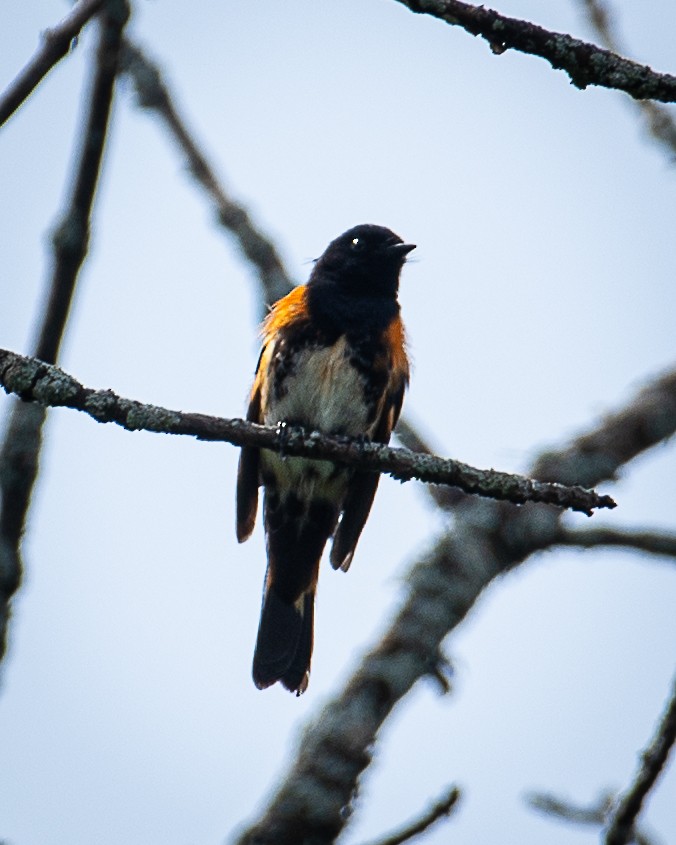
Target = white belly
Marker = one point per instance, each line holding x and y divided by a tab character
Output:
326	394
323	392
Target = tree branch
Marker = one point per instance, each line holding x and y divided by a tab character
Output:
33	380
444	497
622	820
584	63
441	808
56	43
652	542
258	249
313	801
19	455
659	121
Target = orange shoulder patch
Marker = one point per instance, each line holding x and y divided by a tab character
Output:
292	308
395	338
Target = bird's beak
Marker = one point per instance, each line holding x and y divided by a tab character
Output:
400	249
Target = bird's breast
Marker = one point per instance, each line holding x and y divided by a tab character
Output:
319	388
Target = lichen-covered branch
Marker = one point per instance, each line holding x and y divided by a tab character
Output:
314	798
652	542
622	821
33	380
258	249
409	436
584	63
20	450
55	44
442	808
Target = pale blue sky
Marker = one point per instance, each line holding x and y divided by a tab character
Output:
542	293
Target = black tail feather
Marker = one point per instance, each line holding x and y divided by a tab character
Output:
284	643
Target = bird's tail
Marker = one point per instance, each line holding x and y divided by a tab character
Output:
296	536
284	643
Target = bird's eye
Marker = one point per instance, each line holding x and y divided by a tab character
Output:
357	244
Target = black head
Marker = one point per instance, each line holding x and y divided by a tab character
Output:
364	261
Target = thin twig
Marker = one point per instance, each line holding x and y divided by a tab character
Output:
440	809
258	249
55	44
33	380
659	121
652	542
551	805
622	819
584	63
596	814
19	455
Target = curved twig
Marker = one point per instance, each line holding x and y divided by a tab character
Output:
442	808
652	542
595	814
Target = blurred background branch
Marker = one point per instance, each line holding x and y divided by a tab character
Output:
55	44
20	450
621	822
594	815
441	809
256	248
652	542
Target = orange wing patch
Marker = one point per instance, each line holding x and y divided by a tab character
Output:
395	339
291	309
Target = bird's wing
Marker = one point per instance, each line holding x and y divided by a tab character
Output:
363	485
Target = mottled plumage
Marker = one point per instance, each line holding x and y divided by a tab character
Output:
333	360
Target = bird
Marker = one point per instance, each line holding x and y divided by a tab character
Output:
334	360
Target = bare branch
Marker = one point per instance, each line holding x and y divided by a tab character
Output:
19	455
33	380
584	63
596	814
623	818
257	248
652	542
440	809
55	45
488	538
659	121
